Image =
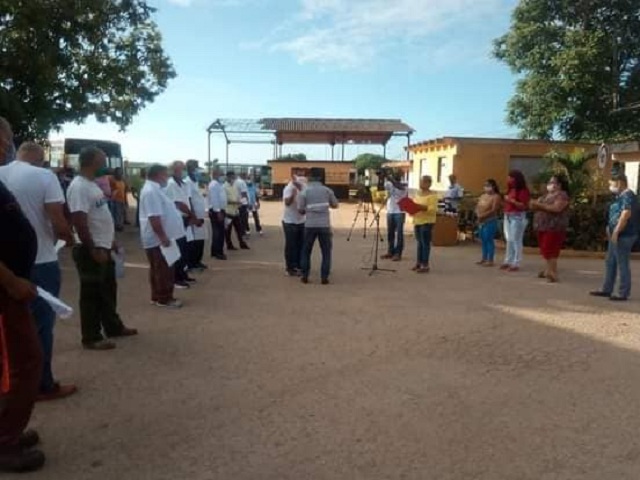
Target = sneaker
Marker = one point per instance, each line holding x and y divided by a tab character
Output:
174	304
21	461
56	393
100	345
181	285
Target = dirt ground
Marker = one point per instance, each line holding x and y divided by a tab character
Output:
464	373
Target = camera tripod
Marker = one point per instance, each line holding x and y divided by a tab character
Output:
376	247
365	206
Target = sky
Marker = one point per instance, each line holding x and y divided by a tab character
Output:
427	62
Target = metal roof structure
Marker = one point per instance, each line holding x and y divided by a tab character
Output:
327	131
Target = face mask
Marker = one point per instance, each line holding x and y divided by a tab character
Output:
551	187
102	171
488	190
613	189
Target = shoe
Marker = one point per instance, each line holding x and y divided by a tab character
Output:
292	273
220	257
190	280
261	233
386	256
174	304
616	298
600	293
202	266
422	269
488	264
481	262
304	280
182	285
513	269
232	248
505	267
244	246
28	439
325	281
100	345
56	393
126	332
396	258
415	268
21	461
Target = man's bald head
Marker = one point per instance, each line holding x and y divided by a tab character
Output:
177	168
32	153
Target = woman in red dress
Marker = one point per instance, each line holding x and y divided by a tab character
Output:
551	220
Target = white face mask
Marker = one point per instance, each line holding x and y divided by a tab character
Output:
488	190
551	188
614	189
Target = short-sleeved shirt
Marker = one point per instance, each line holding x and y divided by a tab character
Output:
241	187
394	196
178	192
233	199
85	196
316	200
35	187
252	192
154	202
291	213
18	241
429	200
521	196
626	200
198	204
118	190
217	198
551	221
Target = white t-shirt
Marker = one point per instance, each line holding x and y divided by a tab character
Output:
154	202
178	193
291	212
83	195
34	187
243	191
395	195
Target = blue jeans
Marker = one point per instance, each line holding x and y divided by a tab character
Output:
514	227
423	237
325	238
395	233
618	259
46	276
488	234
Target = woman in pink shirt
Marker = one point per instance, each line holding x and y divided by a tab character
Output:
516	202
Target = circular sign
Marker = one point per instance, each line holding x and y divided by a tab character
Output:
603	156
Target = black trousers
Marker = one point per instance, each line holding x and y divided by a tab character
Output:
217	233
180	274
196	252
236	224
244	218
256	220
293	243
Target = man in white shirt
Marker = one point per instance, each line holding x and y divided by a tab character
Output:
396	191
160	224
454	193
217	200
234	202
93	223
243	208
40	196
293	226
199	209
178	191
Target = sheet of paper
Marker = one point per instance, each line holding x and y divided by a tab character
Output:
62	309
190	236
171	253
60	244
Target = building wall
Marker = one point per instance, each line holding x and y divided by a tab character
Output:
429	161
338	175
475	161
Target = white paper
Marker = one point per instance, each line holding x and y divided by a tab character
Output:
200	233
60	244
190	237
118	259
62	309
171	253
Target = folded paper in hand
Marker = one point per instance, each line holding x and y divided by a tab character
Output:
62	309
409	206
171	253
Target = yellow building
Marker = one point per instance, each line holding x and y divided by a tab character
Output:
473	160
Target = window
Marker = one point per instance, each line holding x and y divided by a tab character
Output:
441	167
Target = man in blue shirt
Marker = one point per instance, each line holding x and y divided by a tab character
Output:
622	231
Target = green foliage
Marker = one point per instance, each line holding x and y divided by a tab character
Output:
65	60
579	68
369	161
292	157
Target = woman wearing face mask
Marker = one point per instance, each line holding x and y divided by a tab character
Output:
487	211
516	202
622	231
551	221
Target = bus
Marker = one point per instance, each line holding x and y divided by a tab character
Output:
64	153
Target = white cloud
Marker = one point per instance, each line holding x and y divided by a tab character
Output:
351	33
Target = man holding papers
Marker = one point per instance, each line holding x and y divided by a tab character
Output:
315	202
93	223
160	226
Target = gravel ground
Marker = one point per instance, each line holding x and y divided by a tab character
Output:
464	373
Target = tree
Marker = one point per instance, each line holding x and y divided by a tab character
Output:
65	60
292	157
579	68
369	161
